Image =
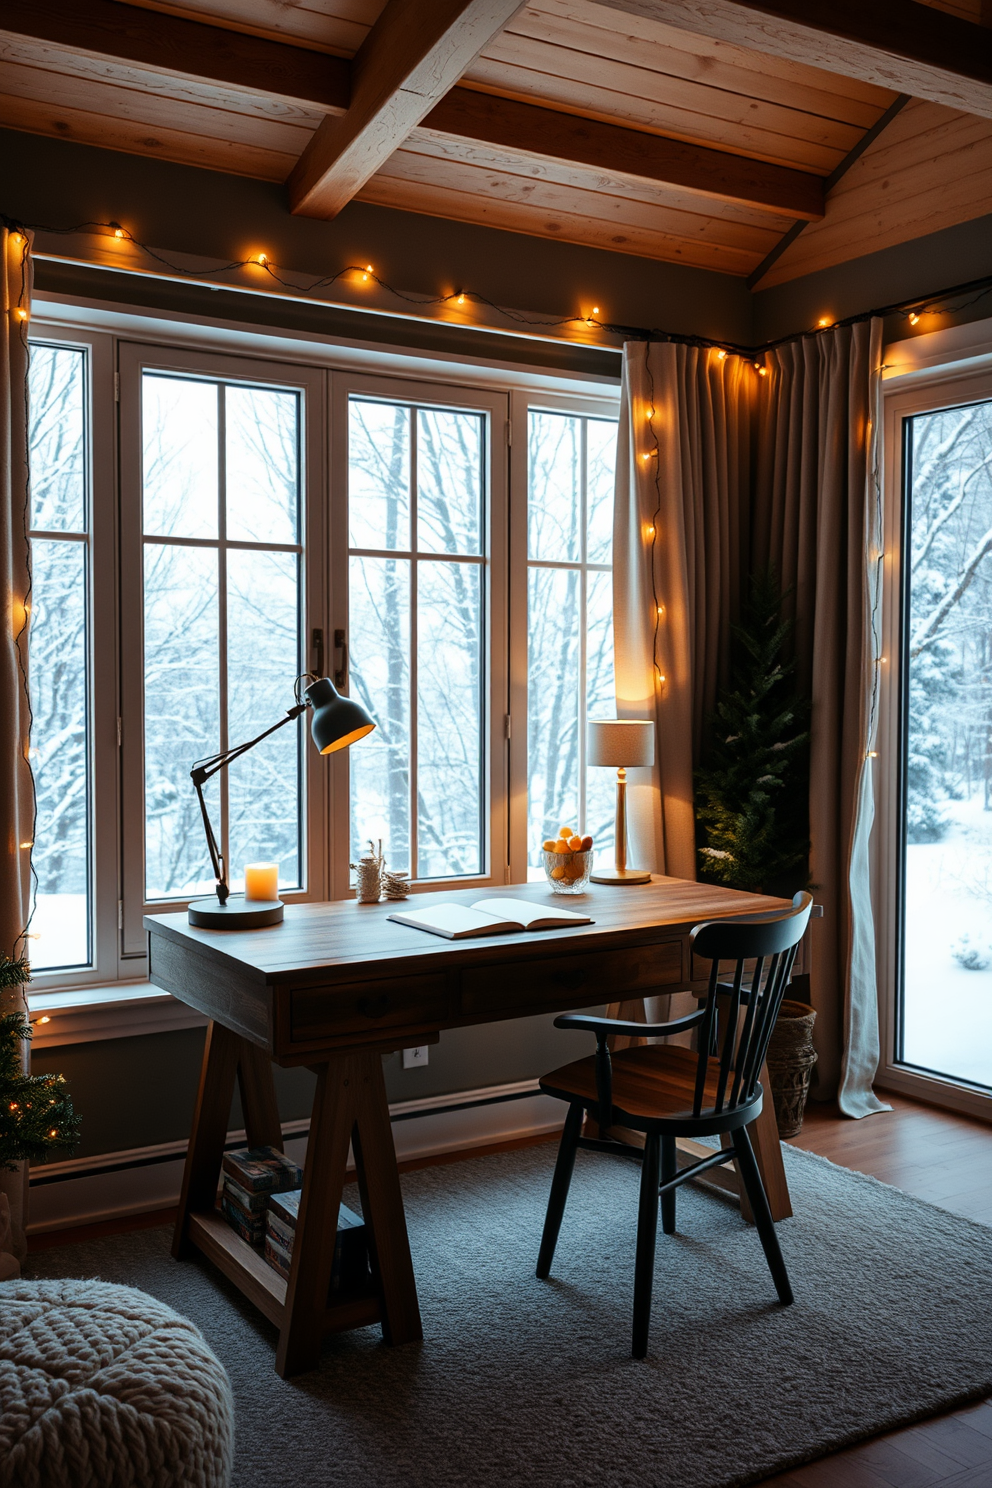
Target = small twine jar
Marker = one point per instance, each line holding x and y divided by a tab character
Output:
791	1058
368	887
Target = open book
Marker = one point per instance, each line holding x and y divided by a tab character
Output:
488	917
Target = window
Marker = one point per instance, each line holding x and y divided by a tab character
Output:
933	838
423	653
59	657
215	477
570	477
207	526
945	1024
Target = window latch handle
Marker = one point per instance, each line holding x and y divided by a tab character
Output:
341	644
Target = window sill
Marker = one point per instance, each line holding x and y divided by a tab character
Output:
120	1010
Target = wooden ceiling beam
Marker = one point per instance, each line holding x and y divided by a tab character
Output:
414	54
174	47
897	44
541	133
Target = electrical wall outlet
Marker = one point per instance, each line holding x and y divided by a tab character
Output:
413	1058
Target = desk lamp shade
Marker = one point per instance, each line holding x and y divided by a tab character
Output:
337	721
620	744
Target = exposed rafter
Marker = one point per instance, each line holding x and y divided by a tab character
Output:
416	51
591	146
174	47
897	44
231	60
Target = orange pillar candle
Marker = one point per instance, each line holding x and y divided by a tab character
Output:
262	881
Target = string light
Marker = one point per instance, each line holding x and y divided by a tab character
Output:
118	232
21	315
873	754
368	270
914	319
45	1019
762	371
649	530
661	609
721	356
262	260
27	844
823	322
460	300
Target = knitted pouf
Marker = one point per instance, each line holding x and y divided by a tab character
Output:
104	1387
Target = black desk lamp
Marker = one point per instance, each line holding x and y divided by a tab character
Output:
337	722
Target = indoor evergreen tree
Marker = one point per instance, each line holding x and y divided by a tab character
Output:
36	1115
752	788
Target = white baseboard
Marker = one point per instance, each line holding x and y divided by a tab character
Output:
137	1181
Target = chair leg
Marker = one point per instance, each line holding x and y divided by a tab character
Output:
748	1169
647	1231
559	1189
669	1170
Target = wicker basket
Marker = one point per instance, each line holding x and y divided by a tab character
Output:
791	1058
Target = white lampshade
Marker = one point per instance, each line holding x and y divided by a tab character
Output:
620	743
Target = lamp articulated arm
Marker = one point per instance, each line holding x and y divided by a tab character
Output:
201	773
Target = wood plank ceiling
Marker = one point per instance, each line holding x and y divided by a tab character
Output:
591	123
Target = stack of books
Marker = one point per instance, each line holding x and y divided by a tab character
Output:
251	1176
350	1268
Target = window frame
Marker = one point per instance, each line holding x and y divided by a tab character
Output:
494	405
134	359
522	403
903	398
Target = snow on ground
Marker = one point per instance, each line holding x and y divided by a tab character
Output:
948	1009
59	926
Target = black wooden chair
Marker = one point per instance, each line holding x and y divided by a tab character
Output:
667	1091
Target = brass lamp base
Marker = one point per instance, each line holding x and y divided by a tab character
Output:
621	876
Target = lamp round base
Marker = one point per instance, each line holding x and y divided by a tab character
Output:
621	876
238	913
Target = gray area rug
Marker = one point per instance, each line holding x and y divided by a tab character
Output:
527	1382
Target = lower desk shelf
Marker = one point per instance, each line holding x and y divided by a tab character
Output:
261	1284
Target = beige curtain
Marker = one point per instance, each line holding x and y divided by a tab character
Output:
16	794
720	472
680	544
817	517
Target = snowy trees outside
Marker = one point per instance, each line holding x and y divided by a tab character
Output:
571	468
57	656
947	1016
417	636
221	626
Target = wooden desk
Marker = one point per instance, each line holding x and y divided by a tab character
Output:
336	986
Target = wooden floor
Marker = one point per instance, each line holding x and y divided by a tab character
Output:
942	1158
947	1160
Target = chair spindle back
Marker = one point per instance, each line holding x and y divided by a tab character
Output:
741	1042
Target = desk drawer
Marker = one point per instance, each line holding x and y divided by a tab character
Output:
568	980
362	1007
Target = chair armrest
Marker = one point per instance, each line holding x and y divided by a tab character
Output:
621	1025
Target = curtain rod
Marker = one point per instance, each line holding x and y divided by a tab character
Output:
978	288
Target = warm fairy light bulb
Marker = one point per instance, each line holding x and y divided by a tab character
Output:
21	315
721	356
27	844
460	300
118	232
45	1019
595	309
873	754
649	530
762	371
661	676
823	322
262	259
368	270
914	319
661	609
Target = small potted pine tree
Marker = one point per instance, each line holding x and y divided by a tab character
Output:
752	806
36	1114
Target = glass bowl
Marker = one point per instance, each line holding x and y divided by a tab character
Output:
568	873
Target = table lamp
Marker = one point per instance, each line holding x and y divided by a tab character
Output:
337	722
621	744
